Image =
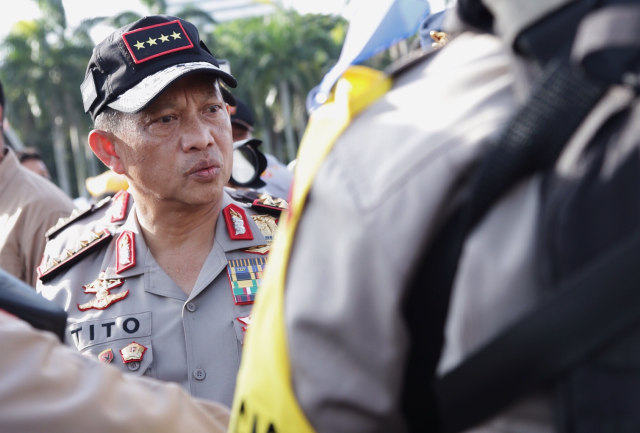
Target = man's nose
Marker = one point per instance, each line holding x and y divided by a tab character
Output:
197	134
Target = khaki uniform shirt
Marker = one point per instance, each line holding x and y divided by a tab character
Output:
126	311
384	187
29	206
46	387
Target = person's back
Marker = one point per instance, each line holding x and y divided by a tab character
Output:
29	206
386	181
352	349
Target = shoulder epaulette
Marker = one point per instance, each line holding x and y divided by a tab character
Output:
414	57
271	205
75	216
52	266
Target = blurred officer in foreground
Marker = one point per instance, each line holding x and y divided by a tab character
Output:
29	206
162	287
48	387
335	313
356	338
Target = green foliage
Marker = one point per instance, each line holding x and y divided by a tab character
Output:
281	49
277	59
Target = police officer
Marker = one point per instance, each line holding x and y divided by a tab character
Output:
333	315
390	178
29	206
162	287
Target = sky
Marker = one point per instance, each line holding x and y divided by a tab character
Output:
77	10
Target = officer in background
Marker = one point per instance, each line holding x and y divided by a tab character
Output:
29	206
162	287
275	177
31	158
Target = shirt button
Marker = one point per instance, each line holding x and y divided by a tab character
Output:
191	307
199	374
133	366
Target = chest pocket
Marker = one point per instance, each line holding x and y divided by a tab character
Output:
123	341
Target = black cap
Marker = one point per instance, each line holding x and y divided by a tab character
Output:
135	63
242	115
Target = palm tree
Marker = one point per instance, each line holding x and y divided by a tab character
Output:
280	57
42	69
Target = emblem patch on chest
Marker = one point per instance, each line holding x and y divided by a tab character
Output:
101	288
132	352
245	276
106	356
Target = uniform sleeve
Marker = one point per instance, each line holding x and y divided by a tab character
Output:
48	387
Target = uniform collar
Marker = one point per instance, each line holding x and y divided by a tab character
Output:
222	233
223	242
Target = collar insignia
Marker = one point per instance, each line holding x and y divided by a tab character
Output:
119	205
237	223
125	251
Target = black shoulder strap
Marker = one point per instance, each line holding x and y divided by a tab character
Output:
583	315
531	142
577	321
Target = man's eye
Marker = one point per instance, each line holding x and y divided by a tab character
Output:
165	119
214	108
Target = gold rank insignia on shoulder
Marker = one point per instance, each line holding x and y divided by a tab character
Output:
440	39
52	266
267	224
245	276
147	43
237	223
271	205
101	288
75	215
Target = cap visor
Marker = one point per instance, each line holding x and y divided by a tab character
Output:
137	97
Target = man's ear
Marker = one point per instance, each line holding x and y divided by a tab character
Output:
101	142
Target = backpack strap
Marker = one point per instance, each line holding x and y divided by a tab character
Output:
531	142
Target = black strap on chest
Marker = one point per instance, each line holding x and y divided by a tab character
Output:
489	380
530	142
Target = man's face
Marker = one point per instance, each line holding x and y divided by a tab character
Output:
179	148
